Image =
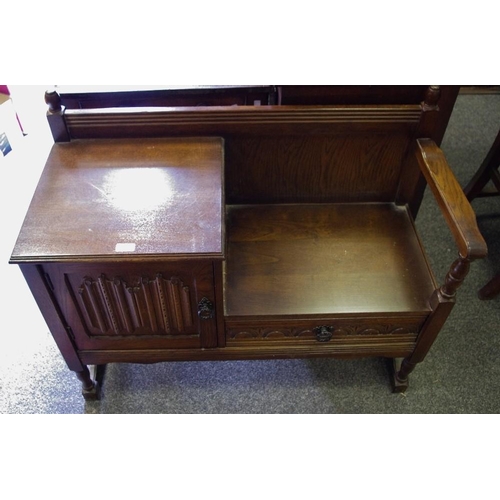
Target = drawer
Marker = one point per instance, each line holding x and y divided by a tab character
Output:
132	305
369	335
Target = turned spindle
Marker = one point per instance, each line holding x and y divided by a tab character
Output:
53	100
432	95
55	116
455	277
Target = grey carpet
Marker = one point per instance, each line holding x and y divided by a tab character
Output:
461	374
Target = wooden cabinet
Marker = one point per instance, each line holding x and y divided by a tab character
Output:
122	242
246	232
130	305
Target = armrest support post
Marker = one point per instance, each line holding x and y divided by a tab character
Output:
455	277
453	203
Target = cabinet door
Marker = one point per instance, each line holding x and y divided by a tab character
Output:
136	306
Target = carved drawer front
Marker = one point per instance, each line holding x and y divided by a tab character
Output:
133	306
333	335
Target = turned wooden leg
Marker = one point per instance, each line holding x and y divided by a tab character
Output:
90	388
441	302
401	369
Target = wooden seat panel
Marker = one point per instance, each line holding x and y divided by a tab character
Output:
321	259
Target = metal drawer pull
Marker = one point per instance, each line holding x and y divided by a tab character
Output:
323	333
205	309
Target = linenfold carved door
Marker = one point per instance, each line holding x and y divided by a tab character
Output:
136	306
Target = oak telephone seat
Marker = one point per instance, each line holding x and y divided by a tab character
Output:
246	232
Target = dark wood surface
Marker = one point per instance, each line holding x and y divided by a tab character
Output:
239	120
304	260
486	182
135	305
347	94
340	167
491	289
52	314
317	195
113	198
451	199
382	346
437	107
487	172
109	96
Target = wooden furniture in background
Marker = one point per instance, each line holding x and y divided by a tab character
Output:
105	96
488	171
478	188
246	232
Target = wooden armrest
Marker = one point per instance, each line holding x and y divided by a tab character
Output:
451	200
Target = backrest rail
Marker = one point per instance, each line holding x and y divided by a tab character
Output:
230	120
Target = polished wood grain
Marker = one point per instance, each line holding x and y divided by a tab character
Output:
433	123
379	346
115	198
345	167
304	260
451	199
437	104
357	332
245	232
135	304
441	309
283	153
237	120
461	220
52	314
